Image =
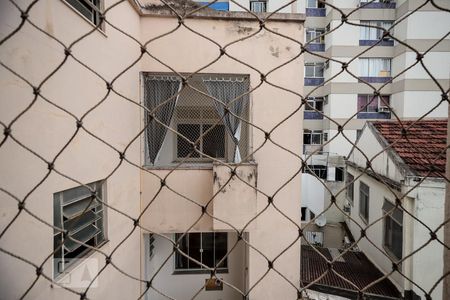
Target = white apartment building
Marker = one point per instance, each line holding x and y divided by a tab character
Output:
125	186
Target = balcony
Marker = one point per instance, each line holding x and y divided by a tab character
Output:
384	42
378	79
316	12
373	115
312	115
316	47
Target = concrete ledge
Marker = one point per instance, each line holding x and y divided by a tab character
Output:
207	13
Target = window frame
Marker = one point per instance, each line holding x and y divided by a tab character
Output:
365	30
363	60
388	217
261	3
316	66
314	104
316	4
188	270
58	208
313	133
97	11
318	33
364	215
368	98
201	121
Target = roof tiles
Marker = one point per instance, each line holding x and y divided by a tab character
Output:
355	267
420	144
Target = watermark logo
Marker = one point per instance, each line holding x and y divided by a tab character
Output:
78	273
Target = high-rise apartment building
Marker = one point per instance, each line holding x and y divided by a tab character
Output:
376	61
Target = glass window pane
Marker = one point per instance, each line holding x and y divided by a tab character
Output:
194	250
319	70
192	133
309	71
181	262
208	249
214	141
221	248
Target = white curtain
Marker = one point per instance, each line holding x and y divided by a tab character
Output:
231	94
159	97
374	67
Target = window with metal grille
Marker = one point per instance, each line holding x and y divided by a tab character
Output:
364	201
205	120
90	9
208	248
393	229
78	212
258	6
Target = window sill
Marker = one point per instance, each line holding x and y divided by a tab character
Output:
205	271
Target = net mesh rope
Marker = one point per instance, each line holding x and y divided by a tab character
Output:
193	140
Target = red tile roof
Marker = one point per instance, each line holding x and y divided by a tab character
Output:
421	145
355	267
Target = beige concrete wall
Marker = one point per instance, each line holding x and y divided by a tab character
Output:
265	51
46	130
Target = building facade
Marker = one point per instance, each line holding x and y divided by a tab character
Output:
127	135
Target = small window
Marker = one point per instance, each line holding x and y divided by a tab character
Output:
258	6
314	104
208	248
364	202
368	31
79	212
312	137
339	176
350	187
315	35
393	229
371	103
314	4
91	9
303	218
314	70
375	67
199	123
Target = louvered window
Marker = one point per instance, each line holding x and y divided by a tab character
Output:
78	212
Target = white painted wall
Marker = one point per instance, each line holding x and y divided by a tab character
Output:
419	103
313	193
340	144
342	105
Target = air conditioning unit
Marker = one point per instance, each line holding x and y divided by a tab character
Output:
384	109
347	208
